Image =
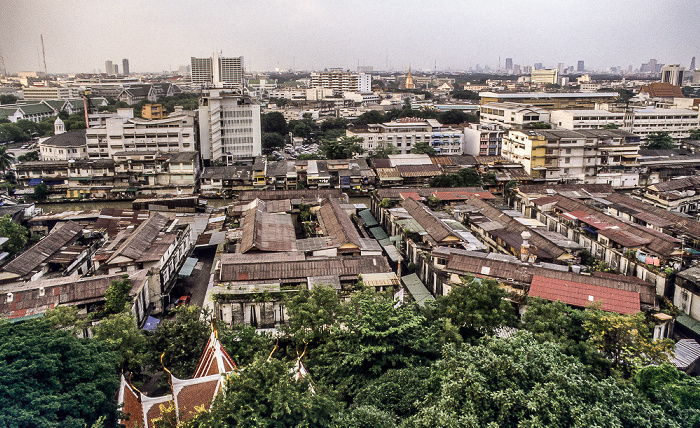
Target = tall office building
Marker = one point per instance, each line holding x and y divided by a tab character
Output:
229	127
538	66
692	64
125	67
509	64
673	74
115	69
109	67
218	71
580	66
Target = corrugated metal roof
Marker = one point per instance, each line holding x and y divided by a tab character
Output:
582	295
417	290
381	279
687	352
60	236
368	218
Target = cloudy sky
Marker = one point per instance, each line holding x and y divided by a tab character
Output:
161	35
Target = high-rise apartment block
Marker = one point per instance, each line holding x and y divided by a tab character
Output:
125	67
229	127
109	67
580	67
672	74
342	81
218	72
509	64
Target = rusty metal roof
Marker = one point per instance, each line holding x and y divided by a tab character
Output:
337	225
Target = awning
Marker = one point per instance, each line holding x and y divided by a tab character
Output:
368	218
34	181
151	324
417	290
689	323
392	253
188	266
378	233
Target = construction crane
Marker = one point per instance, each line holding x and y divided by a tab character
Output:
43	54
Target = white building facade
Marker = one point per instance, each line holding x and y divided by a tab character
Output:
405	133
229	127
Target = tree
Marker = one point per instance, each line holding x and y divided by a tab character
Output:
65	318
365	417
424	148
677	393
397	392
180	340
384	151
659	141
455	117
465	177
32	156
370	337
266	395
8	99
610	126
371	116
120	333
694	134
344	148
41	190
16	234
519	382
6	159
50	378
273	122
117	296
301	129
466	95
272	141
242	343
477	307
311	313
626	339
538	125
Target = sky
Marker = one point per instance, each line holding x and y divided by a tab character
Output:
452	35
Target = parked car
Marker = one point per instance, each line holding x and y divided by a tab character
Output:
184	300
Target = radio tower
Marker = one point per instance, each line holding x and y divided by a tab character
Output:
43	54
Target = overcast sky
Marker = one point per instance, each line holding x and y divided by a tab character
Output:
454	35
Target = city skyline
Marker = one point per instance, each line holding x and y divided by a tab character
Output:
306	35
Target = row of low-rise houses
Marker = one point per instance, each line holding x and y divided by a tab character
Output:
79	254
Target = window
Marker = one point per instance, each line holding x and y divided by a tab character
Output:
567	160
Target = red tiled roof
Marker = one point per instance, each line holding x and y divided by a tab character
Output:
581	295
412	195
662	90
462	196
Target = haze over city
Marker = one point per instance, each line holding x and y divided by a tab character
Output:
314	34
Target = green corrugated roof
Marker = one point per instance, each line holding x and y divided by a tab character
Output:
56	104
689	323
417	290
411	225
378	233
455	225
368	218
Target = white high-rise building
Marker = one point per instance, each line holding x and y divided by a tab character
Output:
218	71
342	81
229	127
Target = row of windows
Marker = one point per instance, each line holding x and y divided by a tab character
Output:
237	113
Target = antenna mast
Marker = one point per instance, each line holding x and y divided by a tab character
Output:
43	54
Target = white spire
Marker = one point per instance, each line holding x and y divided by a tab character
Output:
59	127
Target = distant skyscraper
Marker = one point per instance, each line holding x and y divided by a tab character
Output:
672	74
560	67
109	68
125	67
115	69
509	64
516	69
538	66
580	66
692	64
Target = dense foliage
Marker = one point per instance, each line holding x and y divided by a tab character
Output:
50	378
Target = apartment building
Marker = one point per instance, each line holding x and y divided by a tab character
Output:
591	156
404	133
483	140
218	72
229	127
342	81
551	100
176	133
511	115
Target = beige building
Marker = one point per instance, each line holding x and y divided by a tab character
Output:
544	77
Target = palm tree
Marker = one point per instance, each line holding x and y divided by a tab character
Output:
6	159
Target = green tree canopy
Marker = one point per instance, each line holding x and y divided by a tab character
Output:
50	378
344	148
117	296
423	147
517	381
272	141
384	151
16	234
273	122
41	191
311	314
265	394
694	134
659	141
